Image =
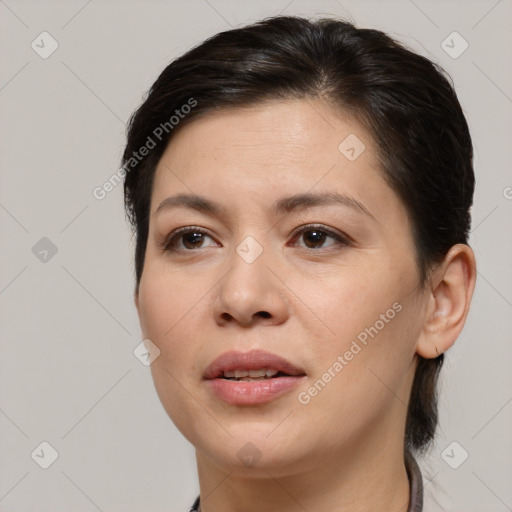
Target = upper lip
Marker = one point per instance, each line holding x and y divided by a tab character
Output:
253	360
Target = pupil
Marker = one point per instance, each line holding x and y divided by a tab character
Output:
316	236
196	237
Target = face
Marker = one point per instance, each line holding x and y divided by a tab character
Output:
298	251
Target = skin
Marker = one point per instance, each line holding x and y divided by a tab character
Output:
197	303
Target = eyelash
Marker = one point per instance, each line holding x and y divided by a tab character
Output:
169	244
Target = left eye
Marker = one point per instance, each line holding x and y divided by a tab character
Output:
315	236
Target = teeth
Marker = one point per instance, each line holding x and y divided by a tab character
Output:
250	379
252	374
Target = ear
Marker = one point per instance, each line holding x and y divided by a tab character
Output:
451	290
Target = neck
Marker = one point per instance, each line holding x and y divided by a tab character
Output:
360	478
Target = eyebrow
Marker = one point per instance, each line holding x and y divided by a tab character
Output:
285	204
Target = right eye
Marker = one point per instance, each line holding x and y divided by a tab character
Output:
185	239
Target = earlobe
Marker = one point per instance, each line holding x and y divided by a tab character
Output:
452	287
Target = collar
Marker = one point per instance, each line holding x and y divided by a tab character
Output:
415	486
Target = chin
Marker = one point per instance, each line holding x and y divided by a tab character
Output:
252	449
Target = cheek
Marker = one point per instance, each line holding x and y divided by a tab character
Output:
167	310
365	320
165	301
363	376
340	304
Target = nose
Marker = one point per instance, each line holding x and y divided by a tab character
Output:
251	293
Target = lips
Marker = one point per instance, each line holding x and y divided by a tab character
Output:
254	364
251	378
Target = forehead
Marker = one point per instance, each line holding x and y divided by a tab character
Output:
297	145
285	130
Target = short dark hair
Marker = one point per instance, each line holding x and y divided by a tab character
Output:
405	102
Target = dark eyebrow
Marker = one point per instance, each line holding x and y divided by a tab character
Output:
308	200
283	205
192	201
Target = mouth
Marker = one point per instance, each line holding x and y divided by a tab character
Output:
253	365
252	375
251	378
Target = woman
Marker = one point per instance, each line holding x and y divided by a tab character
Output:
300	194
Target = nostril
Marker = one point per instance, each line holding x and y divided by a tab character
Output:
264	314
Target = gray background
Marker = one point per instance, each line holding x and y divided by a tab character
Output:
68	375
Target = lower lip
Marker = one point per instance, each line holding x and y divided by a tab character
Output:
252	393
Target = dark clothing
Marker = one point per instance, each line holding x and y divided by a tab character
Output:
415	487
